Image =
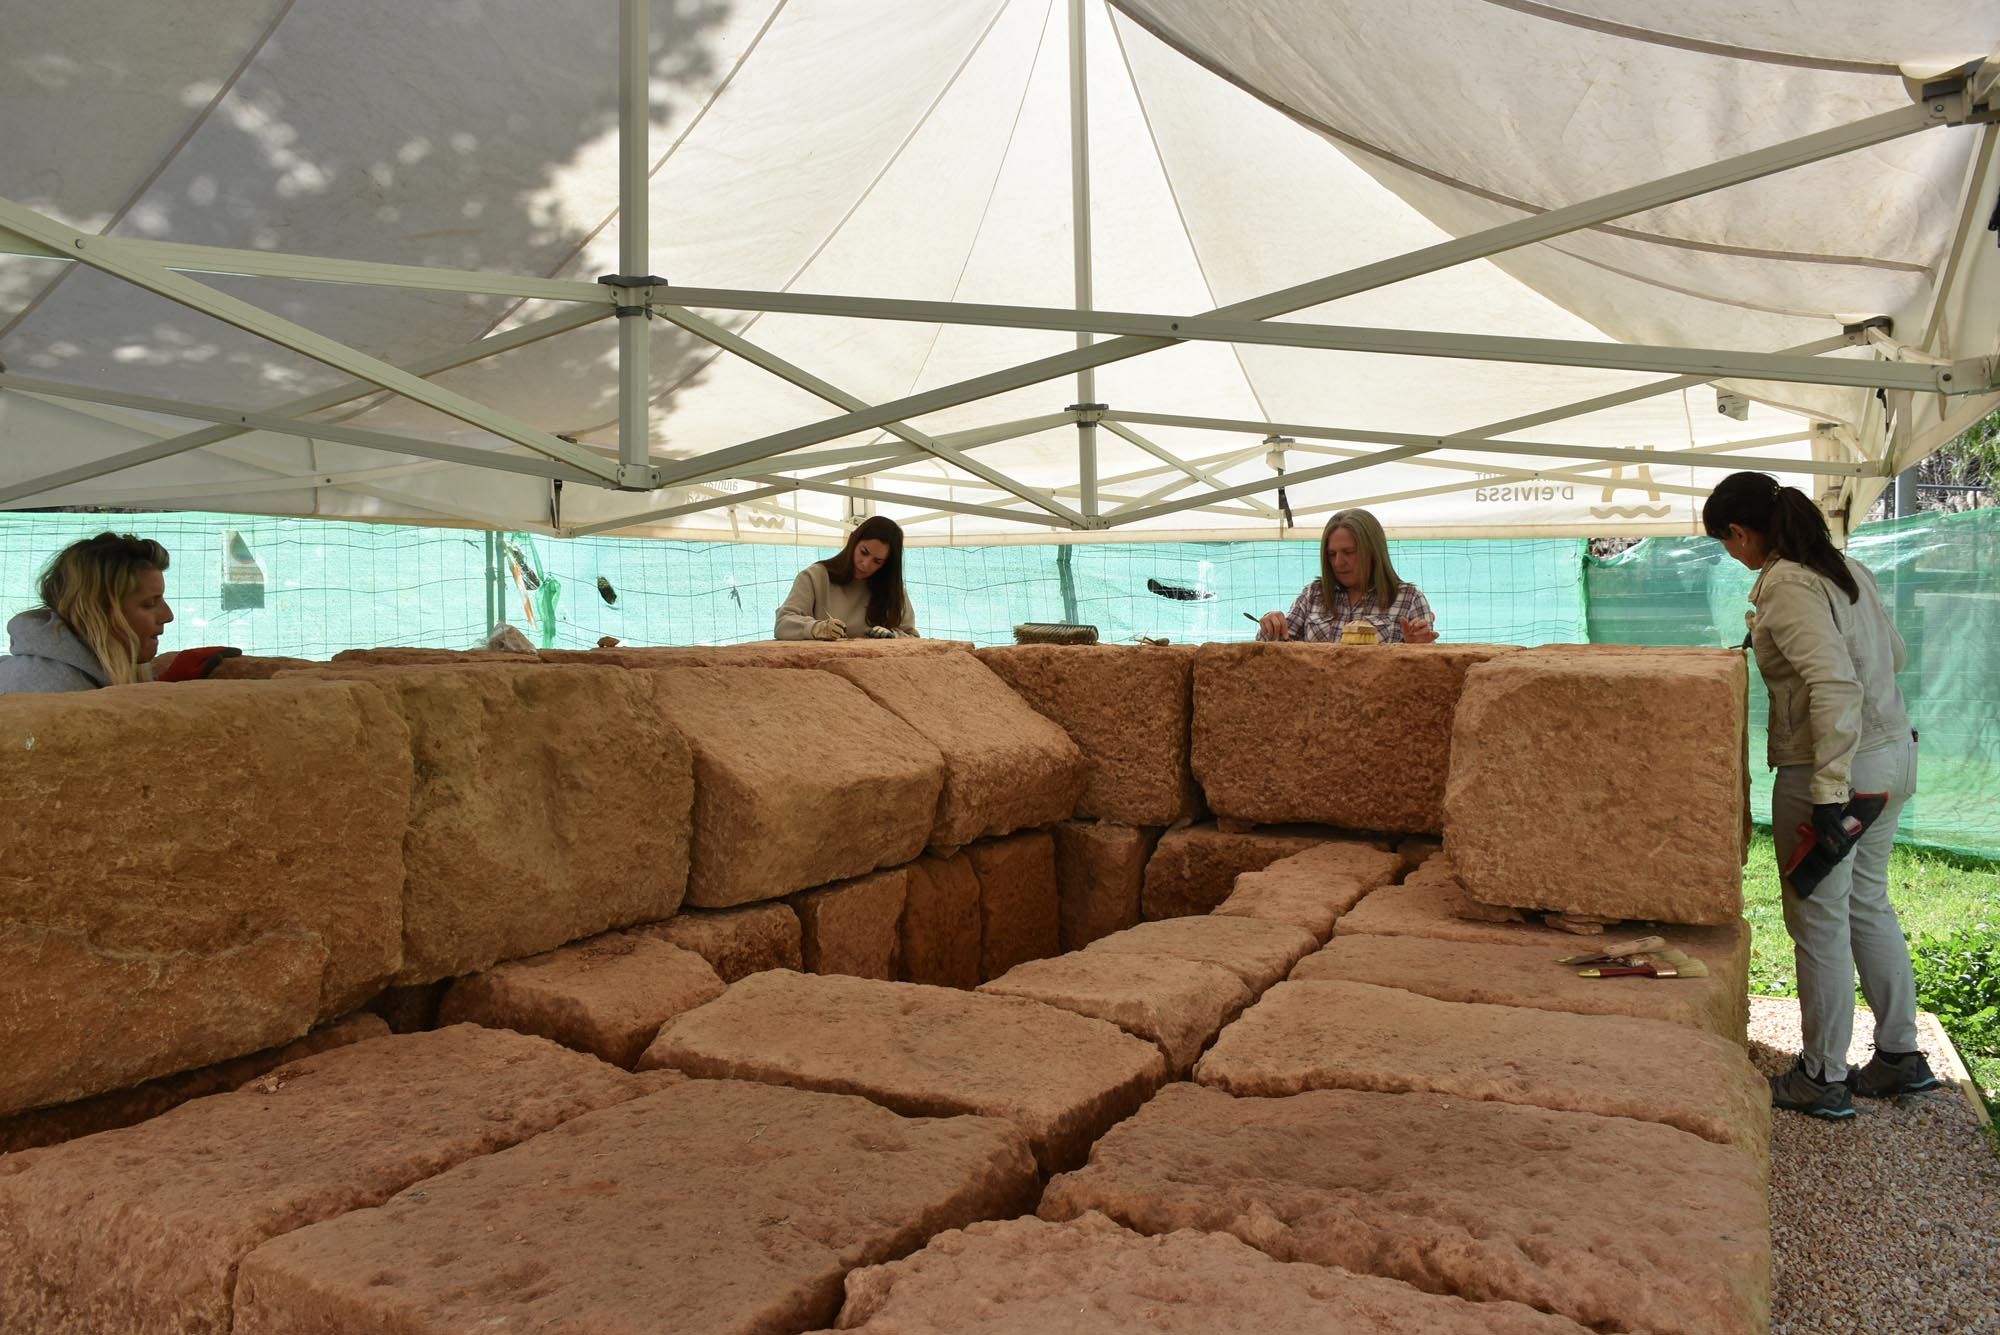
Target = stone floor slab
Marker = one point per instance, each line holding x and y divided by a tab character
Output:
1258	952
1314	888
1195	868
1178	1004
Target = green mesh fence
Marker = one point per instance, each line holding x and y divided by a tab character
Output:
1940	578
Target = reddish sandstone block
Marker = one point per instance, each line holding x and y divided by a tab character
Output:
1492	1202
1605	784
1178	1004
756	653
1127	708
1312	889
1091	1277
940	927
1100	870
1258	952
1006	767
854	927
923	1052
800	780
191	874
1194	869
607	996
736	942
140	1231
1019	914
246	667
1357	736
1341	1035
411	657
712	1205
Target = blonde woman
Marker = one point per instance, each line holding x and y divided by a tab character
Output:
104	605
1356	583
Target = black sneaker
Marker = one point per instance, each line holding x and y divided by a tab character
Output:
1888	1074
1801	1091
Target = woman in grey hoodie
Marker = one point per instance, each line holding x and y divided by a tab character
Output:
1839	732
104	604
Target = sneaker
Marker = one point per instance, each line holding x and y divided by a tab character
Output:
1888	1074
1801	1091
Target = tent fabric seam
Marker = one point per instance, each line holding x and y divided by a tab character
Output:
1723	49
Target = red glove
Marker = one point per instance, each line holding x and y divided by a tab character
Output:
194	664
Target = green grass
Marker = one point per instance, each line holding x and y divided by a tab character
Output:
1935	895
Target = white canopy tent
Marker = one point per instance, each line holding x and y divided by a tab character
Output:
1006	270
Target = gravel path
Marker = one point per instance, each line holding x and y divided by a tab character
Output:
1885	1224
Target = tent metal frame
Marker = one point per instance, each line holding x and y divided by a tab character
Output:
773	463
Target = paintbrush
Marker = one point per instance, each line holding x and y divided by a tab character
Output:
1685	968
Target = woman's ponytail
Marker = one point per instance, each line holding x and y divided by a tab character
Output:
1791	525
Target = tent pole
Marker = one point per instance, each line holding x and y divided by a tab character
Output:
635	347
1079	217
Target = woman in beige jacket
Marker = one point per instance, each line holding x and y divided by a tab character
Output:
1829	654
855	594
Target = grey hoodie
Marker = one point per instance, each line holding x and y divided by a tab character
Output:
48	656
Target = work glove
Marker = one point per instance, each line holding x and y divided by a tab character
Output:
881	633
1829	837
829	628
194	664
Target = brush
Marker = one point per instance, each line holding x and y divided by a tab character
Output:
1686	968
1640	946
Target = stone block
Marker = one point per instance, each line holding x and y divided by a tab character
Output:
736	942
1020	916
1312	889
1092	1277
800	780
403	656
854	927
756	653
1193	869
1006	767
1258	952
1178	1004
1613	1223
1100	870
1127	708
923	1052
248	667
1604	784
712	1205
191	875
1356	736
1430	902
1341	1035
940	928
140	1231
607	996
1522	975
128	1107
549	806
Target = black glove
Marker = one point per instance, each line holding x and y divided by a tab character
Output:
1834	831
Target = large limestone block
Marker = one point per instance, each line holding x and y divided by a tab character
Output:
1092	1277
1614	1223
713	1205
1178	1004
607	996
191	874
1127	707
1431	904
800	780
549	806
1357	736
736	942
139	1231
757	653
1195	868
923	1052
1521	975
1100	870
1020	916
1312	889
854	927
940	928
1006	767
1258	952
1606	784
1340	1035
128	1107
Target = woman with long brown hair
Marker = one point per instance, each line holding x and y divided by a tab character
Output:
1356	584
854	595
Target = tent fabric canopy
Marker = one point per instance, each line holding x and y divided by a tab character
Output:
802	153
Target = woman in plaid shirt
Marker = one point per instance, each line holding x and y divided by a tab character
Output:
1354	564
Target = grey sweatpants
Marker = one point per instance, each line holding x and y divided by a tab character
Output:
1848	925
